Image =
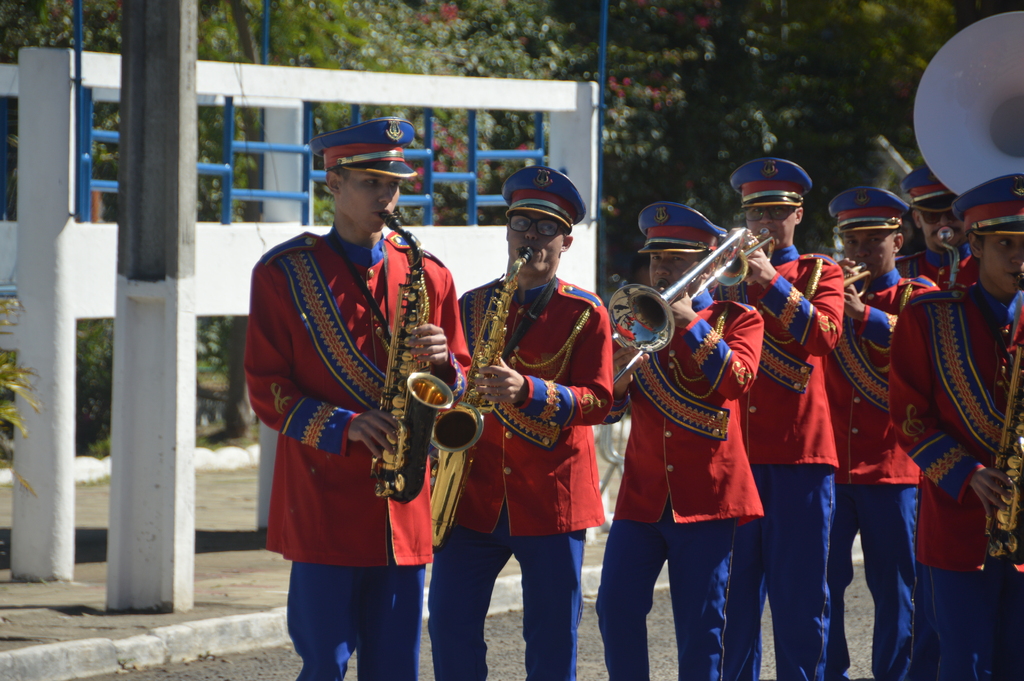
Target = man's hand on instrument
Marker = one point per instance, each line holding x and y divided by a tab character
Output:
429	343
620	359
373	428
502	383
853	306
990	484
682	311
761	270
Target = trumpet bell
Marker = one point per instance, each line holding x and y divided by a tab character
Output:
970	104
641	317
736	271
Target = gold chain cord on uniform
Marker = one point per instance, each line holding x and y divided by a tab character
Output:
677	368
564	353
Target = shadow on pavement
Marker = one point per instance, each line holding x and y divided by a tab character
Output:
91	543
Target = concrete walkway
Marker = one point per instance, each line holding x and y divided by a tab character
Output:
61	630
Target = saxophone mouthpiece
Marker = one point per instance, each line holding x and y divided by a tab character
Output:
526	253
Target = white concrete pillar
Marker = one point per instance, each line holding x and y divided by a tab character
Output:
283	172
572	144
268	454
572	148
43	522
151	547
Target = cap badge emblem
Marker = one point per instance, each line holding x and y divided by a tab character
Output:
1018	186
543	179
769	169
661	215
862	197
394	130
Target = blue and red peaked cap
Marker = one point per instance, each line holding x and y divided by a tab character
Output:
867	208
926	192
375	146
675	227
771	182
995	207
544	190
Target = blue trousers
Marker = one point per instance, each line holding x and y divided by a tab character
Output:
699	556
782	556
461	583
979	619
924	658
885	516
334	611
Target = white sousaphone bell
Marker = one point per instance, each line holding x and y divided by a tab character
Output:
969	108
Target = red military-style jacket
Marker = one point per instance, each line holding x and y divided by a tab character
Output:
313	362
947	395
685	441
538	456
857	380
785	415
936	266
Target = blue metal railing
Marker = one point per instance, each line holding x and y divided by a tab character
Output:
230	147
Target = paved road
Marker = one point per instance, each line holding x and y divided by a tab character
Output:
506	649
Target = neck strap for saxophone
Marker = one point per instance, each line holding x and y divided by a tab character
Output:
335	242
538	305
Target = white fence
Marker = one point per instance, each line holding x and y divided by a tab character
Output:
65	270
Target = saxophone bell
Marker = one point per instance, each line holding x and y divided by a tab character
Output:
411	393
459	428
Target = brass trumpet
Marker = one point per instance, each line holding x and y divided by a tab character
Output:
642	316
856	273
762	240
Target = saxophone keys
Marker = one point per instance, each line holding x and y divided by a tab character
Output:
1014	462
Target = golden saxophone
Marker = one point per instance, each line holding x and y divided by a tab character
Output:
1004	528
459	428
411	393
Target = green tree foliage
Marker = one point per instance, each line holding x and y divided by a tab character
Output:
698	87
94	372
14	381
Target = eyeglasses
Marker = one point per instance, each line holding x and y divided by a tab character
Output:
774	212
934	217
545	226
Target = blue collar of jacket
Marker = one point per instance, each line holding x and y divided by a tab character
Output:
359	255
942	259
783	255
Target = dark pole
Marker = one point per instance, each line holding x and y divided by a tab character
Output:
602	227
80	201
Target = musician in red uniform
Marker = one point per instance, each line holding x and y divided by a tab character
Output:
931	205
788	434
949	385
876	482
321	311
533	488
687	483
